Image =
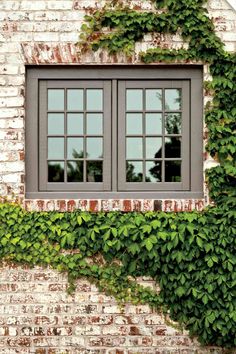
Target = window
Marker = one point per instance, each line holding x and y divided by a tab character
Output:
114	132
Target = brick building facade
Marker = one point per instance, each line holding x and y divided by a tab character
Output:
36	316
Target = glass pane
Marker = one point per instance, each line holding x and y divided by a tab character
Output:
55	123
56	99
134	100
75	124
134	123
173	171
134	171
55	171
75	148
94	148
75	171
153	147
94	123
94	171
75	100
134	148
56	148
173	123
94	99
153	171
172	147
153	123
153	100
173	99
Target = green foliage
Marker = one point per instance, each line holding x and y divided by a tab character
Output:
190	255
117	27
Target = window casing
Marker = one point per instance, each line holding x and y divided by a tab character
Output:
140	132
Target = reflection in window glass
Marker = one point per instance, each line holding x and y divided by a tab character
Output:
75	124
55	171
55	99
134	171
153	171
94	171
75	100
94	99
172	99
172	171
94	123
134	123
55	123
153	100
153	148
134	148
55	148
75	171
172	147
75	148
134	100
94	148
154	123
173	123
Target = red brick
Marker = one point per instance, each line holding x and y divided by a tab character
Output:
93	205
127	205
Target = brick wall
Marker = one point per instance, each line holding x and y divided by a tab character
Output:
45	32
37	316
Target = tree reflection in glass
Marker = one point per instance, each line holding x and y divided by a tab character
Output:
94	171
134	171
55	171
153	171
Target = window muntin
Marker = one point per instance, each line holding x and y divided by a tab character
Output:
153	173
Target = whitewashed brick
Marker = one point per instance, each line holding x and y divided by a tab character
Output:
16	80
46	37
218	4
228	36
9	91
17	166
8	69
10	48
33	5
17	123
2	81
12	102
60	5
69	37
46	16
9	113
9	5
22	37
14	58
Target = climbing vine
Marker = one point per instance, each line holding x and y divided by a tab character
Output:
190	255
117	27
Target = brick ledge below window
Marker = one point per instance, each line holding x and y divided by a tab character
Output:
126	205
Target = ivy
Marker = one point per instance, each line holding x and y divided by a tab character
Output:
117	27
190	255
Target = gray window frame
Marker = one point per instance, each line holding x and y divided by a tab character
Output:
114	186
185	151
74	186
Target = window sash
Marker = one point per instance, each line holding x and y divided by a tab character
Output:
44	185
185	133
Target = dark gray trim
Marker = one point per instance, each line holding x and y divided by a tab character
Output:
56	73
185	145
